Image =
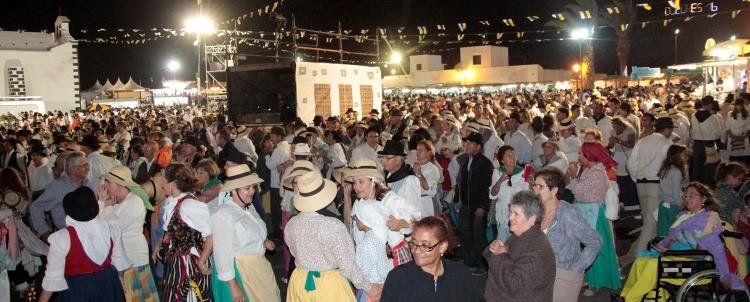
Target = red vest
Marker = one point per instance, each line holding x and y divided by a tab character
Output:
77	263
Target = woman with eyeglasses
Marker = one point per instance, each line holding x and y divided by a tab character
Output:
429	277
507	179
574	242
596	169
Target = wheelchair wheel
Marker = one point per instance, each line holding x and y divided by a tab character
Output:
711	291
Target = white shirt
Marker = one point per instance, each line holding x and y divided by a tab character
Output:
605	127
99	165
401	209
432	174
129	216
280	154
710	129
521	144
54	278
371	258
738	127
236	231
536	144
647	156
409	189
123	137
490	148
571	146
40	177
365	151
583	123
622	153
337	155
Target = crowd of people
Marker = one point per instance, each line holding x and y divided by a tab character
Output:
404	203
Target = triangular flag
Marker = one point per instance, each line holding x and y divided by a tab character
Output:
460	37
688	18
735	13
665	22
643	25
499	36
712	15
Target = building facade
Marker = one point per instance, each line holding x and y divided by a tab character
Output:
39	67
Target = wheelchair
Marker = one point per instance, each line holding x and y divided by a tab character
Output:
691	275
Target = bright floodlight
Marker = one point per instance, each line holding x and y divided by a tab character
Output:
395	57
393	71
677	31
199	24
580	34
576	67
173	66
733	37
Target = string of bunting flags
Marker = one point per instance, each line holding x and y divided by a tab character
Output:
423	33
265	10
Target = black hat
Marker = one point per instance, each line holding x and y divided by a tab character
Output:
191	140
90	141
393	147
81	204
332	119
663	123
60	139
474	137
374	111
38	149
278	131
396	112
236	156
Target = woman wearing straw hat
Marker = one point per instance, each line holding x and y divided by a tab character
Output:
240	243
287	190
323	250
84	257
124	204
369	184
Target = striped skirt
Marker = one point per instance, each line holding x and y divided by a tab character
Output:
139	286
183	281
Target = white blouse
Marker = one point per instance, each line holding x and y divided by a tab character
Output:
129	216
40	177
54	278
737	127
432	174
193	212
236	231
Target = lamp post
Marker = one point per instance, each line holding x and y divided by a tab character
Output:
581	34
199	25
396	58
676	33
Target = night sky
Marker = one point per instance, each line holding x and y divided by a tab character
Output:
652	46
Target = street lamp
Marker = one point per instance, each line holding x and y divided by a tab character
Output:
199	25
173	66
676	33
734	37
396	58
580	34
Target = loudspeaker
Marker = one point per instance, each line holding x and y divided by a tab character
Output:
262	93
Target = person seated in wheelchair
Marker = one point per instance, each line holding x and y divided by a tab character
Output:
698	226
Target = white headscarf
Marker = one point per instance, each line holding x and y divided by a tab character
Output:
373	214
95	236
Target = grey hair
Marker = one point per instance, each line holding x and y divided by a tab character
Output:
72	159
530	203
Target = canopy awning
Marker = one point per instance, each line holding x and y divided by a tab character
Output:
118	85
107	86
740	62
132	86
96	87
728	49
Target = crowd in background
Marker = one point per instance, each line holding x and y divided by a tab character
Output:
402	203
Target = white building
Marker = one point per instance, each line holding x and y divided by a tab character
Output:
480	65
39	68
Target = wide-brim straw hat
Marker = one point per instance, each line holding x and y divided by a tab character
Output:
362	167
313	192
239	176
120	175
298	168
565	124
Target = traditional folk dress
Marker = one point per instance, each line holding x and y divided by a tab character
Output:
183	281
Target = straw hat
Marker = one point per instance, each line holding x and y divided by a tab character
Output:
120	175
298	168
302	149
314	192
242	131
239	176
362	167
565	124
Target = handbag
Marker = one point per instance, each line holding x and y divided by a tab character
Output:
612	202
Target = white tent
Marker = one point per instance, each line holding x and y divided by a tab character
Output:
132	86
118	85
107	86
96	87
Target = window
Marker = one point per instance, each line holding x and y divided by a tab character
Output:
365	94
323	99
477	59
345	98
419	66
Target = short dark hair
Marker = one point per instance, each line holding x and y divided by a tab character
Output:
554	178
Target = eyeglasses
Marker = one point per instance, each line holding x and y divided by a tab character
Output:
538	186
423	248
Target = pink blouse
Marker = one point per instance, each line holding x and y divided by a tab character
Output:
591	185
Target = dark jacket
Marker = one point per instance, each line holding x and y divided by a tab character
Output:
408	282
473	185
525	273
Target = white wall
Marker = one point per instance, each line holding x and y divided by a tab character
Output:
429	63
308	74
478	76
21	106
49	74
492	56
